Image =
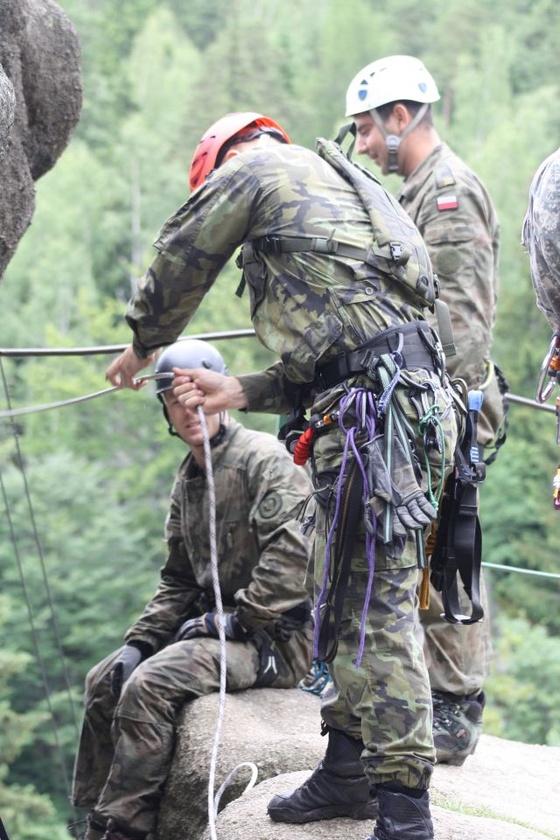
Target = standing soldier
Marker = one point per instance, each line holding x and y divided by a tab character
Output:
172	651
338	277
389	103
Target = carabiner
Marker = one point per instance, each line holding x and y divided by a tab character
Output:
550	367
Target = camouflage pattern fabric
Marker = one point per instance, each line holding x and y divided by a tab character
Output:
458	658
387	701
308	308
126	748
455	215
541	237
324	305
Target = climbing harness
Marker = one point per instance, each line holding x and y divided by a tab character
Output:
379	475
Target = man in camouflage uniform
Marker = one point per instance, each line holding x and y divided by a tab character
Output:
541	237
389	102
343	314
172	651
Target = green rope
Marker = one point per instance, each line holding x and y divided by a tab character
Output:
432	416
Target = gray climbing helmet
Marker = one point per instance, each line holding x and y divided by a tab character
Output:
186	353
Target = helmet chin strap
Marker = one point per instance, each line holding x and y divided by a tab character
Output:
393	141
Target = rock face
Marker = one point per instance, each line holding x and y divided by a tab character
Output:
506	791
40	105
278	730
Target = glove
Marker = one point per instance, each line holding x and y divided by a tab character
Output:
411	509
128	660
207	625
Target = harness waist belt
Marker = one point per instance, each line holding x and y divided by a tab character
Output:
417	351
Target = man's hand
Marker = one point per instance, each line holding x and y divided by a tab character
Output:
214	391
122	370
207	625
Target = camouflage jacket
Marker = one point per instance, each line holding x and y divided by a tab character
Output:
454	213
541	237
305	306
262	555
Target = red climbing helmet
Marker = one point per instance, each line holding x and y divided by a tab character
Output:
243	125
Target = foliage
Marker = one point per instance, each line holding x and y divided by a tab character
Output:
86	487
524	683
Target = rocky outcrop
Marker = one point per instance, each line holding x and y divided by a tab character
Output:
40	105
506	791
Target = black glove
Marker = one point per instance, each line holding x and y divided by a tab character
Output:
207	625
128	660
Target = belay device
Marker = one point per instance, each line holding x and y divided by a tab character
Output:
458	545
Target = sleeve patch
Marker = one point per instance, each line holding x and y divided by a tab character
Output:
270	505
447	202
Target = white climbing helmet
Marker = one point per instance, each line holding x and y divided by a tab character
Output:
391	79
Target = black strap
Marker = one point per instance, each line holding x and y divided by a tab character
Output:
458	551
3	832
332	608
275	245
417	351
393	252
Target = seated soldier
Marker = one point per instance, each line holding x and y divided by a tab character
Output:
172	652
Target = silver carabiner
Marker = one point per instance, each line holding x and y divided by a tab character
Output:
544	392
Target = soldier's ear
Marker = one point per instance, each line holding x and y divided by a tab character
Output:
231	153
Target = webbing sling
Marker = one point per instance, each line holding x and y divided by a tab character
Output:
333	605
458	547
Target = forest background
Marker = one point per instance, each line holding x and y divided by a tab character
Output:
85	488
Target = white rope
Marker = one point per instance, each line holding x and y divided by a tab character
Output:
213	801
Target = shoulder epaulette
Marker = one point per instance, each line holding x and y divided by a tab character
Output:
444	176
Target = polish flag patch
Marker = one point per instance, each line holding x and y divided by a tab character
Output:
447	202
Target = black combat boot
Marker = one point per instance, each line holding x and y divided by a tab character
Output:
457	725
403	814
338	787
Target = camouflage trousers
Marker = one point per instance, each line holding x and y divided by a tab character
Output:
386	701
458	655
125	748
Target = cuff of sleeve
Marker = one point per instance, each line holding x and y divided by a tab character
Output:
261	395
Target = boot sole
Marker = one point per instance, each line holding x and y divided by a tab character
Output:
365	812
